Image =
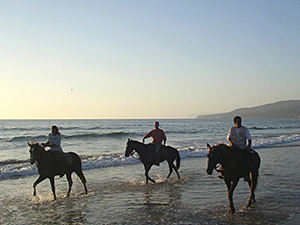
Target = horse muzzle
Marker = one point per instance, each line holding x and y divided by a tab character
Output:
31	160
127	154
209	171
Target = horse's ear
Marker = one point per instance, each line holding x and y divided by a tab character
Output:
208	146
29	144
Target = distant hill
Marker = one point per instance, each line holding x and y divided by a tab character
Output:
282	109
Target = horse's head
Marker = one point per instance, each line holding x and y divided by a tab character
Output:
213	158
129	148
35	150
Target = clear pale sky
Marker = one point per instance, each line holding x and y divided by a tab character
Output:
145	59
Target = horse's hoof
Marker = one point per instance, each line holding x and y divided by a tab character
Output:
231	210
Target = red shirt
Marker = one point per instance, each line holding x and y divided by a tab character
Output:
157	135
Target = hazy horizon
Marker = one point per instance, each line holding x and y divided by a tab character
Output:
145	59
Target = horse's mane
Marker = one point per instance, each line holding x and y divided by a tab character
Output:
222	144
37	143
137	141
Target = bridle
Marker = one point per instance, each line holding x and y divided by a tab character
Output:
35	158
132	155
222	160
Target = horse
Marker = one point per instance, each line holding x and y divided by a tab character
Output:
46	169
147	156
233	169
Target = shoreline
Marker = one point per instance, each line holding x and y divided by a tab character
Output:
119	195
295	220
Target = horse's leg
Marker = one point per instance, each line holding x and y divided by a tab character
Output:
147	168
254	176
231	185
39	180
53	186
176	170
83	180
69	178
170	168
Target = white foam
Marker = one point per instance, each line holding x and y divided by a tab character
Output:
14	169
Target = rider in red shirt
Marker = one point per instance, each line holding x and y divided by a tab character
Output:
158	135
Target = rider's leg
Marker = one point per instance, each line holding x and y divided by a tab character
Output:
157	148
246	164
59	163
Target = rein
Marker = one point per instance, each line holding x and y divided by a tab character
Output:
133	156
218	165
36	158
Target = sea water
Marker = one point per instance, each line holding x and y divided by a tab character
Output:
117	190
101	143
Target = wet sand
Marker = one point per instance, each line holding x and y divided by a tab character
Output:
119	195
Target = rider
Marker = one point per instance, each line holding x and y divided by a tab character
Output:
53	141
237	136
158	135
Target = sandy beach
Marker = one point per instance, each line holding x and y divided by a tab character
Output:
119	195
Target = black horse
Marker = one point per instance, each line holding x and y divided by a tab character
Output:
47	169
147	156
233	169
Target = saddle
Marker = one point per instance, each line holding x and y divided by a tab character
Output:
162	152
66	158
244	156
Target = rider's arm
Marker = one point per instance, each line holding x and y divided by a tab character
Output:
147	135
248	136
230	141
249	143
164	137
47	144
229	137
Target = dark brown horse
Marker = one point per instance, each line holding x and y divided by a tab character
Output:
147	157
233	169
47	169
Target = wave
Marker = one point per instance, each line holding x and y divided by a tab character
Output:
25	138
99	135
85	136
274	127
269	142
11	169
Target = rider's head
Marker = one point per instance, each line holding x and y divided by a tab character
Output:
156	124
54	130
237	121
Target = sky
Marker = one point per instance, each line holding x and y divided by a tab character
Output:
131	59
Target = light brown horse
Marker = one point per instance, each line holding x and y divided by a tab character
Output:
233	169
46	169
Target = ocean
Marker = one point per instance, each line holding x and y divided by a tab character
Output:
101	146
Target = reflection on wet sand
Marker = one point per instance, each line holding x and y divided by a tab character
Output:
118	196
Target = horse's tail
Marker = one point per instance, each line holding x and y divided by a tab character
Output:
177	159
